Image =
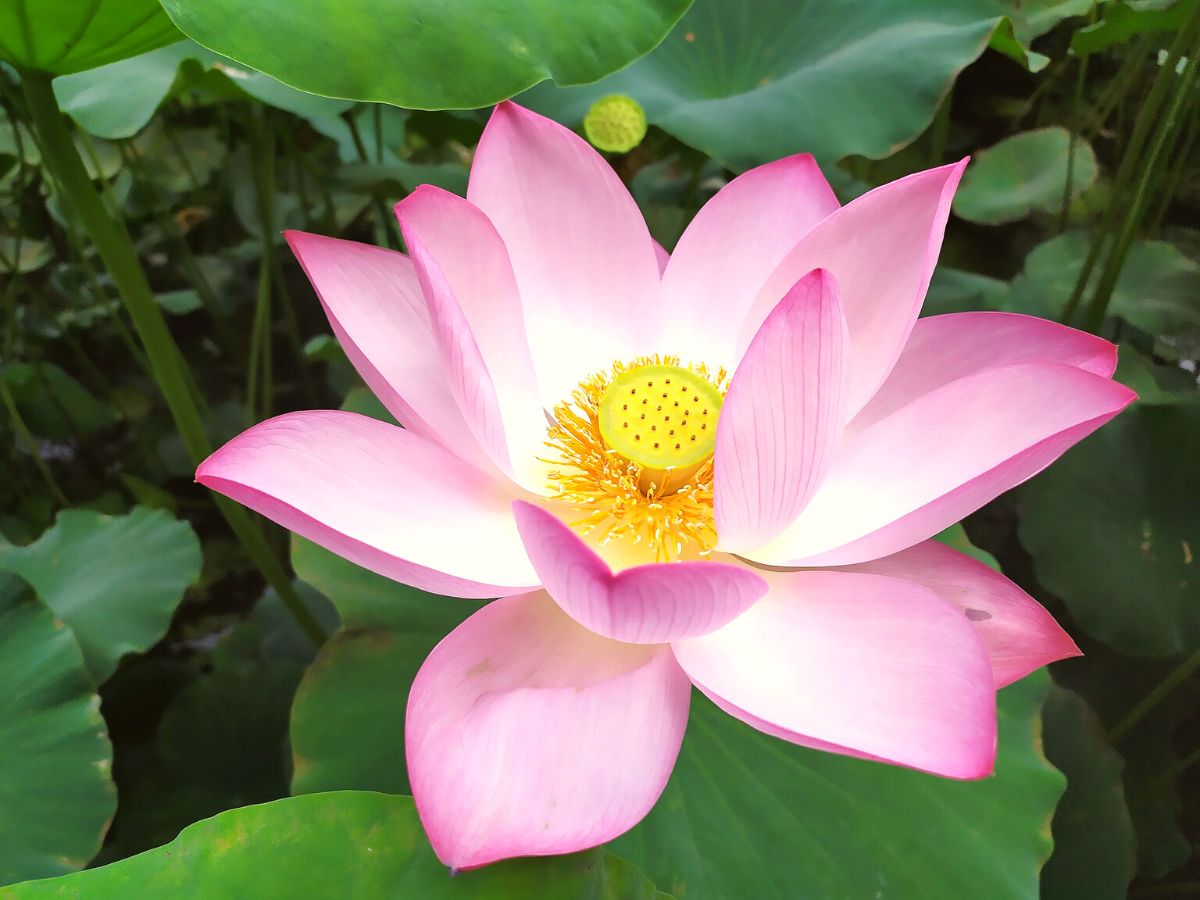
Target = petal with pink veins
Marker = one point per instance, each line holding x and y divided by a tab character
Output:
528	735
476	311
919	470
783	415
881	247
944	348
644	604
378	313
381	496
583	258
857	664
466	372
1018	633
731	247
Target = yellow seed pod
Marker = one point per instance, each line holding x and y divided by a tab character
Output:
615	124
661	417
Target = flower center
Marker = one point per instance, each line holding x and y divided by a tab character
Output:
660	417
632	451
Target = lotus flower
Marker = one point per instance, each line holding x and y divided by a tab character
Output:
720	469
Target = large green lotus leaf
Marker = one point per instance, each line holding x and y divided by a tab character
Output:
359	683
425	55
1113	530
115	580
1024	173
118	100
348	717
72	35
366	600
1157	291
221	744
56	794
752	81
1154	750
1094	853
749	815
343	844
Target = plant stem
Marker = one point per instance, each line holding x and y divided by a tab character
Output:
386	221
1076	117
1148	169
1174	678
1182	156
115	248
1130	160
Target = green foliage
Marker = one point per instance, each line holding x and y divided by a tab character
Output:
53	404
115	580
1156	291
56	794
748	815
1093	833
1116	537
195	162
348	843
1123	20
118	100
753	81
72	35
390	629
1024	173
454	56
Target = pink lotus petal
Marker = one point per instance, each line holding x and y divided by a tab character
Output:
661	257
924	467
645	604
476	310
378	314
857	664
1020	636
529	735
583	259
944	348
381	496
881	248
783	415
730	249
466	372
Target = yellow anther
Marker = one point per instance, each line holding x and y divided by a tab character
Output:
615	482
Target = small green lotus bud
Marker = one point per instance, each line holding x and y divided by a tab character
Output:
615	124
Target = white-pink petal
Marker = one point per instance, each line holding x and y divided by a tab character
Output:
944	348
1020	636
644	604
528	735
783	415
881	247
858	664
465	370
381	496
583	258
729	250
378	314
476	310
912	474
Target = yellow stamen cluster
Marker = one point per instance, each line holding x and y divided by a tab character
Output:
670	509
